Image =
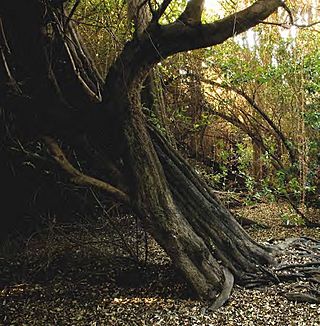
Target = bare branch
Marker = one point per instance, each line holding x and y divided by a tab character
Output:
156	15
263	114
307	25
287	9
74	8
3	38
5	51
286	26
291	18
78	177
70	49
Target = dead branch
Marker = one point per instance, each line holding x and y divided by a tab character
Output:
80	178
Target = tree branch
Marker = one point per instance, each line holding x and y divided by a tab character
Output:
179	37
74	8
161	41
287	9
78	177
156	15
263	114
286	26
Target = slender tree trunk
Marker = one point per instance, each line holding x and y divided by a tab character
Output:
257	167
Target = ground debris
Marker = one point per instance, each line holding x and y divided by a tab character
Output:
83	285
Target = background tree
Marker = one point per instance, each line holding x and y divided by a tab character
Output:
254	94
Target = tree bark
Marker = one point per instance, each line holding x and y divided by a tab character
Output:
196	231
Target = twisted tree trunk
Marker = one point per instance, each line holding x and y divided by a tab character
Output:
182	214
198	233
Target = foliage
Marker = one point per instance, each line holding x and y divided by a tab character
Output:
279	71
105	29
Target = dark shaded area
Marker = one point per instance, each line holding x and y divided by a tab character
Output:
79	272
33	192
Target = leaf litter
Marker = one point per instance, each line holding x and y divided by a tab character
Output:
87	279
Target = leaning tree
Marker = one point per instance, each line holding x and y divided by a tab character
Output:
50	85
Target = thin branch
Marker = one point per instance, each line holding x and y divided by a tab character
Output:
283	25
287	9
12	81
142	4
156	15
5	49
286	26
74	8
114	225
307	25
80	178
4	39
291	19
254	105
94	95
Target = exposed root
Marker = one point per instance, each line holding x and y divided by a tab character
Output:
246	222
226	291
299	266
298	270
302	297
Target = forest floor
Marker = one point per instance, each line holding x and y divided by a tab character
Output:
81	275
